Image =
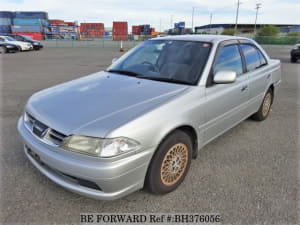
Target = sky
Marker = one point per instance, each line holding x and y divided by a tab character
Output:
160	13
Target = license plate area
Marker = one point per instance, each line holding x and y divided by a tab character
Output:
35	156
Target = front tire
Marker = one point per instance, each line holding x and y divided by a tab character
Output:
2	50
293	59
265	107
170	163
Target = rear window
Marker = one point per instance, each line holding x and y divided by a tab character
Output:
253	57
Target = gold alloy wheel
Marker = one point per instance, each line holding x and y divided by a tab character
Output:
174	164
267	104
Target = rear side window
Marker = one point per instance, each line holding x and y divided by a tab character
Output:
17	38
229	58
263	60
253	57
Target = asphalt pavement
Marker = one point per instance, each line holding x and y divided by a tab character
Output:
249	175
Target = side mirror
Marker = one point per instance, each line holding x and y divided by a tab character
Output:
225	77
114	60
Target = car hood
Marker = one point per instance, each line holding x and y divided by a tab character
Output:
6	43
96	104
21	43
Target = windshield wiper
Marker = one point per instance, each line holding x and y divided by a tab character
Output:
125	72
171	80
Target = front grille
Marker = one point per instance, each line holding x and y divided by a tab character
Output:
42	131
82	182
56	137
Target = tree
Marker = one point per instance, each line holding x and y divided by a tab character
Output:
228	32
294	34
268	30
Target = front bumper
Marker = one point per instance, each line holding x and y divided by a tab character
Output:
115	179
13	49
27	48
37	47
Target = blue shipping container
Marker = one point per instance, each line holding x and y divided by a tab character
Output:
24	22
6	14
181	24
5	29
31	15
29	29
5	21
181	30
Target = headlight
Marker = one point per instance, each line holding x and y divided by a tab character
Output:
9	46
35	43
295	47
99	147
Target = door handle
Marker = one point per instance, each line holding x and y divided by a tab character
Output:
244	88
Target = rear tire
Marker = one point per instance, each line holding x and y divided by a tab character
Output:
265	107
3	50
170	163
293	59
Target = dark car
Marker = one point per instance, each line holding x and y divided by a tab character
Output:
8	47
295	53
36	44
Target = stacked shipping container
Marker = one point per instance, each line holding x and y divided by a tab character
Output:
92	30
145	29
136	30
60	29
33	24
179	28
120	31
141	29
5	22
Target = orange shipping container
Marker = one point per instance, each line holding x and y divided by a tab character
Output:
93	26
120	31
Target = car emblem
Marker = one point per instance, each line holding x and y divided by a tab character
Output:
39	129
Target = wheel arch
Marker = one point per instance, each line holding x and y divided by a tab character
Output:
190	131
271	87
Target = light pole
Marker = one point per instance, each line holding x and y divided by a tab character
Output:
258	6
160	25
237	16
171	20
193	18
211	15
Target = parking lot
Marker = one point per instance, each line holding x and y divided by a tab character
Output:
249	175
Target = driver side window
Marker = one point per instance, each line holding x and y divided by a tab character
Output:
229	58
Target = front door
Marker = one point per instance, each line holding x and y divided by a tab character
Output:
226	103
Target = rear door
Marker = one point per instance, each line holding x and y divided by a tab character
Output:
225	103
258	74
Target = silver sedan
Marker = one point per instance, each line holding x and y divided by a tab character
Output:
139	123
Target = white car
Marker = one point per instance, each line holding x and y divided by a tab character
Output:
24	46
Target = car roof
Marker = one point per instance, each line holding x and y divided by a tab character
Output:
201	37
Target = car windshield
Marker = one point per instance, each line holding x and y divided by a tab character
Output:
26	37
10	39
165	60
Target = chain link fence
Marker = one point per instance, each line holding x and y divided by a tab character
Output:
105	42
127	43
